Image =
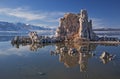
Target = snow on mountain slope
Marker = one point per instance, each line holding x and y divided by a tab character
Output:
6	26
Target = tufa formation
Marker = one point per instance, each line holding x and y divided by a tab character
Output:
75	27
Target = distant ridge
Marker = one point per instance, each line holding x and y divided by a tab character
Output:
107	29
6	26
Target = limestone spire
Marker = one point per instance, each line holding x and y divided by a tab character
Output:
75	26
84	14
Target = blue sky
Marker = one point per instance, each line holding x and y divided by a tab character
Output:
104	13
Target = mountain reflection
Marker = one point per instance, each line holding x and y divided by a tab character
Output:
32	47
70	54
5	38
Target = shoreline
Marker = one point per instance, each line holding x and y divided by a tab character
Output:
105	42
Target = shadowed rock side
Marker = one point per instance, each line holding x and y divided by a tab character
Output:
75	26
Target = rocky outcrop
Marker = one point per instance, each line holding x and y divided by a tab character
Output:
106	57
74	26
34	37
69	26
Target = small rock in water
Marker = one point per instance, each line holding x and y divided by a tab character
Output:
106	57
41	73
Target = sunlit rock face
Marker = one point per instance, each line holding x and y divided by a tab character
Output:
69	26
74	26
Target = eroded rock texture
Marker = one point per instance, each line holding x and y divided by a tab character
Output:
75	26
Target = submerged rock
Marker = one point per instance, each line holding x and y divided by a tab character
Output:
72	51
64	49
41	73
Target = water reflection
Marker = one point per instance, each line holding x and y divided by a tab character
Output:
32	47
79	57
70	54
5	38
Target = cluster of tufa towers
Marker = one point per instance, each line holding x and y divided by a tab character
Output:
76	26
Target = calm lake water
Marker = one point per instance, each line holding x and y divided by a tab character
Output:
39	62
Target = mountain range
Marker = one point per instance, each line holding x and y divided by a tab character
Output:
6	26
106	29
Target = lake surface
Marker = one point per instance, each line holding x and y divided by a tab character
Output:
48	62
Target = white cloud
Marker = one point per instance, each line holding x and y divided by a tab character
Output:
29	15
21	13
43	18
52	16
14	51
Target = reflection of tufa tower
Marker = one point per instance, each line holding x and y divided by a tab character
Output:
84	52
83	61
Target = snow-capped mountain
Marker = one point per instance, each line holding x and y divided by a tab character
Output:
6	26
